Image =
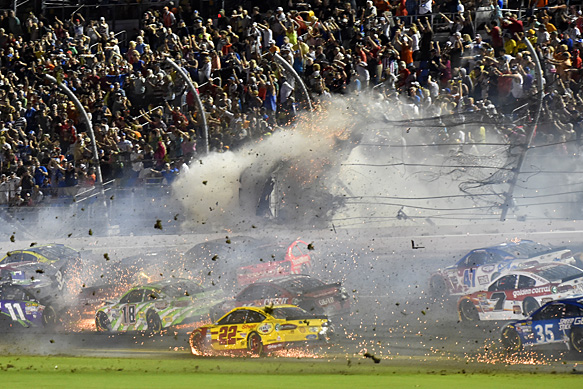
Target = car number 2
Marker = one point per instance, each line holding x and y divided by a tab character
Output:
545	335
227	335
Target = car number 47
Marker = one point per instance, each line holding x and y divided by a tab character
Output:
544	335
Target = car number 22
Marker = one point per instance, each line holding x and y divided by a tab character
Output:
544	335
227	335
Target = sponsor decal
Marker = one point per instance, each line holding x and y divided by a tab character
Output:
243	334
279	338
540	290
565	324
265	329
303	330
326	301
275	301
554	289
488	268
272	346
277	327
311	337
248	326
483	280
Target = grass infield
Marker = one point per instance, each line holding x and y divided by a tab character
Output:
86	372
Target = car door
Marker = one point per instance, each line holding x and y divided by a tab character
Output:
129	317
12	303
225	336
499	294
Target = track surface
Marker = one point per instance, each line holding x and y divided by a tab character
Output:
387	278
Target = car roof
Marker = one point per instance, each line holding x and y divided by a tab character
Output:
262	309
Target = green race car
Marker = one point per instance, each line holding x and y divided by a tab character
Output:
157	305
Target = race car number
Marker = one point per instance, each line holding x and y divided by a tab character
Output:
15	311
227	335
470	277
60	279
129	313
547	335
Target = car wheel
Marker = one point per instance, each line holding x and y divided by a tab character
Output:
529	306
437	287
154	323
511	340
577	339
468	311
255	344
49	317
196	343
102	322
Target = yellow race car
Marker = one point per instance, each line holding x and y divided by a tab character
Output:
261	330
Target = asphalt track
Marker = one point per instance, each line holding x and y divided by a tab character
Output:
386	275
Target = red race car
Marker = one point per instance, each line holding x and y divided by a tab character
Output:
302	290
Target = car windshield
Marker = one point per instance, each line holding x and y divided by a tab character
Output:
55	252
525	249
181	289
298	285
559	273
282	313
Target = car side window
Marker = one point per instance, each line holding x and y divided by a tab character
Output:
476	258
26	257
525	282
573	310
237	317
554	311
152	295
13	257
254	317
504	283
135	296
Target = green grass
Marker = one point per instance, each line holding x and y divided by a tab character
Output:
68	372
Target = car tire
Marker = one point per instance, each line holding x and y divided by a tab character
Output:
154	322
529	306
255	344
196	342
437	287
102	323
49	319
576	339
467	311
510	340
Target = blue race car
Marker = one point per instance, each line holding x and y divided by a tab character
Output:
559	321
20	309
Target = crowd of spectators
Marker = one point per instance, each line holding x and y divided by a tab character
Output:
428	58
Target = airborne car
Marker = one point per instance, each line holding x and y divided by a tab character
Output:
302	290
560	321
477	269
520	292
156	306
260	330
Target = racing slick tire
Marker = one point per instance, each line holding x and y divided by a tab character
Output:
437	288
197	345
576	339
510	340
467	311
255	344
154	322
529	306
49	319
102	323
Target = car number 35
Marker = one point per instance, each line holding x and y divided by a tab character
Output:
544	335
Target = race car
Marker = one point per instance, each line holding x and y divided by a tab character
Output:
302	290
520	292
559	321
261	330
243	260
19	308
477	269
52	264
156	306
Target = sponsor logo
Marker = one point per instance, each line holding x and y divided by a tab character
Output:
326	301
302	330
265	329
565	324
522	292
311	337
243	334
275	301
248	326
277	327
488	268
483	280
